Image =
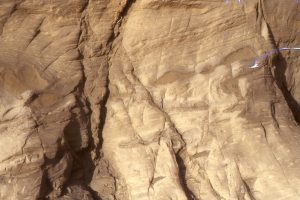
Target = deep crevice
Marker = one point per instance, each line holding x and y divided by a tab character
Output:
120	18
96	147
279	75
103	114
281	81
182	177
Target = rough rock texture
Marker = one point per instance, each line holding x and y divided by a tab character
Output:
149	99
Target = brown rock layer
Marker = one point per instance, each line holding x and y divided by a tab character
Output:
149	99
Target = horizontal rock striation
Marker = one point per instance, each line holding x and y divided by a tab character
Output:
149	99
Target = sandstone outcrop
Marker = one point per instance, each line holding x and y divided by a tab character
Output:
149	99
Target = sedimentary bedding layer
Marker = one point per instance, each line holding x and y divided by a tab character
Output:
149	99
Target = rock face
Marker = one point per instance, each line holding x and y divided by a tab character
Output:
149	100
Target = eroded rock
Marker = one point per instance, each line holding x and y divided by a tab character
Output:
143	99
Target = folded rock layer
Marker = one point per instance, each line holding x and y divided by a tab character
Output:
149	100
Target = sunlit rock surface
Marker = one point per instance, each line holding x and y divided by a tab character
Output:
149	100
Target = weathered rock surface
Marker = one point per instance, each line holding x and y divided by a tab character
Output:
149	99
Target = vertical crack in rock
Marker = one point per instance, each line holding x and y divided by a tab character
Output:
273	114
279	73
265	133
108	49
118	21
177	140
248	190
281	81
182	176
129	99
87	162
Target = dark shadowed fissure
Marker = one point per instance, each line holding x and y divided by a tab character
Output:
182	176
281	80
88	165
103	109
